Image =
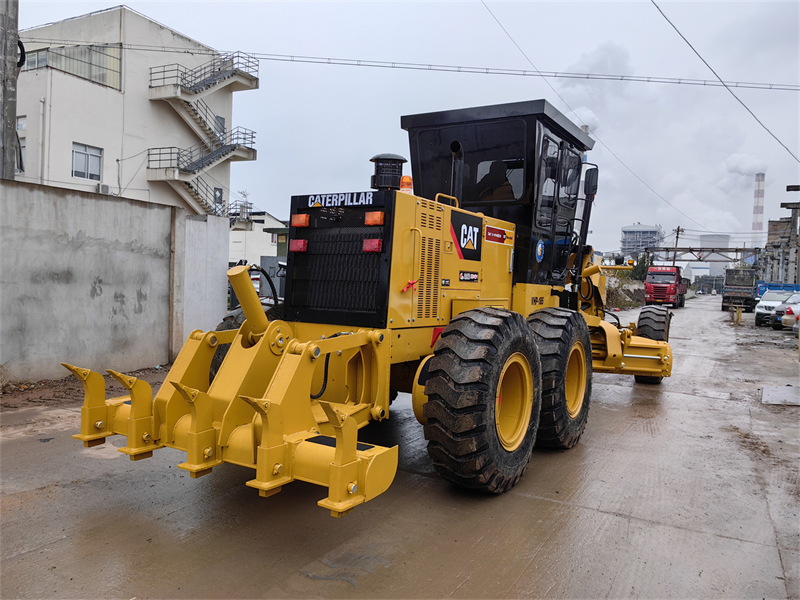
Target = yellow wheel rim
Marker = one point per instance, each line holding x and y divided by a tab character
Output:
575	383
513	403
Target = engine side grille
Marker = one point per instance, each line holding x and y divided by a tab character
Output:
430	221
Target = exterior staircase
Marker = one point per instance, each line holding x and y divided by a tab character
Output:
203	194
184	90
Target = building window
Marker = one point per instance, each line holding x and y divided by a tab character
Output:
86	161
218	198
22	122
274	238
99	63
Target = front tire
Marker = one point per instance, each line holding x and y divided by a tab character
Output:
484	398
566	351
653	324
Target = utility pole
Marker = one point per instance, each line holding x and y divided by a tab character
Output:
9	36
678	233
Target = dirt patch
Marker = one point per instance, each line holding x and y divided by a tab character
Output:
68	391
752	443
623	298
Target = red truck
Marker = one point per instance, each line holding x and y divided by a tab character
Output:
664	285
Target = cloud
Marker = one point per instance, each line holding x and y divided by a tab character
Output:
609	58
744	164
587	117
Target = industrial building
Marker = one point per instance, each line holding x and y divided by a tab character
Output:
637	237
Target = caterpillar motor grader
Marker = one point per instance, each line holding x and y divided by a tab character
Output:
476	293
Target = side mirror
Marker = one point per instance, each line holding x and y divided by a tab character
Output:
590	183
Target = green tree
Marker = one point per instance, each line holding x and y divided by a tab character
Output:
640	267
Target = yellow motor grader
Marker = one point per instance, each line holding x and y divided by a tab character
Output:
476	293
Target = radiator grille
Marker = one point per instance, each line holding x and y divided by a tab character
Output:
335	274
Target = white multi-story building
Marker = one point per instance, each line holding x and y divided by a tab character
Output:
116	103
255	234
635	238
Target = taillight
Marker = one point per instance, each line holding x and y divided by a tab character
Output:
300	220
789	310
298	246
372	245
374	218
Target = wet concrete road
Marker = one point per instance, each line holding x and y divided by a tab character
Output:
689	489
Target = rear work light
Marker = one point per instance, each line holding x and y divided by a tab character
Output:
374	218
298	246
300	220
373	245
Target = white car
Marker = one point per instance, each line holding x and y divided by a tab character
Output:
769	301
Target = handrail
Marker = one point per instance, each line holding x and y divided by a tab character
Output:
193	159
194	80
209	117
205	192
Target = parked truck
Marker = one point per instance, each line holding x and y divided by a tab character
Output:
664	285
739	289
764	286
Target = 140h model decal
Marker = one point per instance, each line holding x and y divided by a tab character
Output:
466	233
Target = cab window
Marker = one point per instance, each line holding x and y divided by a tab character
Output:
548	175
570	179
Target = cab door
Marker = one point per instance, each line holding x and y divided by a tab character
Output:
565	235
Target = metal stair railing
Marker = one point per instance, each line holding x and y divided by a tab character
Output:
204	192
207	116
206	75
197	157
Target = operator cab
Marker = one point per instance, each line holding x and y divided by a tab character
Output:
518	162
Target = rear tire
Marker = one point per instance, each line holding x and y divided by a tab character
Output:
566	352
653	324
484	398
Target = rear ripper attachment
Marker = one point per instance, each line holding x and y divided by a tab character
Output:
260	411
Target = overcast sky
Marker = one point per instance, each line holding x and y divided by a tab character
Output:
318	125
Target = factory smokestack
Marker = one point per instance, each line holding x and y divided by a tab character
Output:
758	211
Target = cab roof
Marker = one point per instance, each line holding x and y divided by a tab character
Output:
541	109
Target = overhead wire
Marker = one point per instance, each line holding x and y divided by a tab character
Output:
710	68
462	69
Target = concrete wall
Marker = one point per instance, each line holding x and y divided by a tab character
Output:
205	284
102	282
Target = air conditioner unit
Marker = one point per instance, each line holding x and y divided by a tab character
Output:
104	188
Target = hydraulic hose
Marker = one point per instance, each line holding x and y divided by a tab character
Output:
325	375
269	280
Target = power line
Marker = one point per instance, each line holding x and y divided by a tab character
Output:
720	80
469	70
513	41
349	62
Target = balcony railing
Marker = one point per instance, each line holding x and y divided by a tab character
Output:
205	75
192	160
